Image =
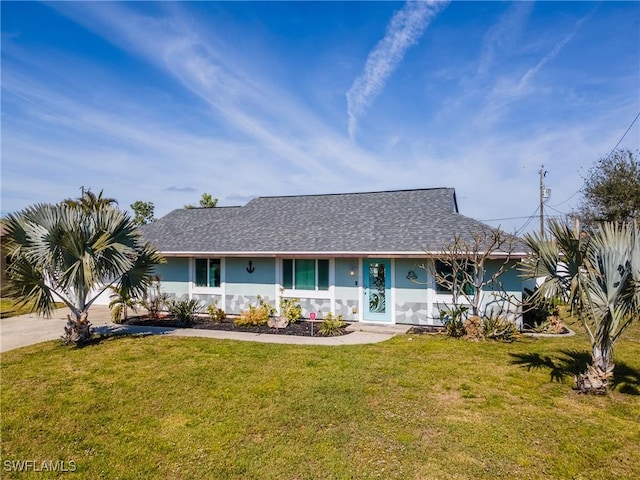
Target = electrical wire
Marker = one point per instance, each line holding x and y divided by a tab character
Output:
606	158
528	222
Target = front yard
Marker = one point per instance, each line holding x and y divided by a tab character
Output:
416	407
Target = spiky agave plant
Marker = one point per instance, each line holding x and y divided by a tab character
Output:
598	274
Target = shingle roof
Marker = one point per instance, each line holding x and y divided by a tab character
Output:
401	221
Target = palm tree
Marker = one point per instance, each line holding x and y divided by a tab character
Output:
598	274
73	253
90	201
121	302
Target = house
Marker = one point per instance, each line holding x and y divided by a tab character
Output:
357	254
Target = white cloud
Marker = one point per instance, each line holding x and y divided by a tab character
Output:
404	30
502	36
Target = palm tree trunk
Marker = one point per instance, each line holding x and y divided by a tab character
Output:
595	379
78	330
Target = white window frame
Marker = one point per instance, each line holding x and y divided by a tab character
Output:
306	293
206	289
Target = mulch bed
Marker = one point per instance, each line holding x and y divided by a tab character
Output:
300	328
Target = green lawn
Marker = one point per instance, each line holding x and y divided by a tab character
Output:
8	308
416	407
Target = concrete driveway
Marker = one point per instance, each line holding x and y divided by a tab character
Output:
28	329
16	332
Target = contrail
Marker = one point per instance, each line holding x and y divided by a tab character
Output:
404	30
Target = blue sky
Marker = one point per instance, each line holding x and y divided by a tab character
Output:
164	101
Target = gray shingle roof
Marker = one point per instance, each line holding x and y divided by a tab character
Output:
401	221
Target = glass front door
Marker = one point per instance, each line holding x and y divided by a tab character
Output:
377	289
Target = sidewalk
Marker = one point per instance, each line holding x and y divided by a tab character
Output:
16	332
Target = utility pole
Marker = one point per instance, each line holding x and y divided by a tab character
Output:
544	195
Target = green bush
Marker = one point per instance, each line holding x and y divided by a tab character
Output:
216	314
290	309
185	311
453	319
499	328
332	326
535	314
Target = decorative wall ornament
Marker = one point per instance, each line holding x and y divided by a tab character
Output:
251	268
411	276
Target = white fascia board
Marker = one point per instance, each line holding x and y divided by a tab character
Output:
421	253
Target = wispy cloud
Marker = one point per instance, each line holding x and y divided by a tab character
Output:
404	30
242	100
526	78
510	89
502	36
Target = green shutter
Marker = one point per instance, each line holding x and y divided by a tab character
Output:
201	272
323	274
287	273
305	274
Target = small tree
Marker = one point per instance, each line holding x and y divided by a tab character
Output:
120	302
463	265
612	189
74	252
598	274
206	201
143	212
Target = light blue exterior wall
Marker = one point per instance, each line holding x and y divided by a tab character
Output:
174	277
242	287
347	290
414	302
412	297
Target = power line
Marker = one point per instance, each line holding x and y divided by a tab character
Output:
506	218
625	134
606	158
528	222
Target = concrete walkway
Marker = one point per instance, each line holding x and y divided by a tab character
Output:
16	332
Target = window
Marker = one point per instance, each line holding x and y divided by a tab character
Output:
207	272
305	274
445	270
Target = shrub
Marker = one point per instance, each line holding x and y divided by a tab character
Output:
534	314
216	314
290	309
270	308
185	311
332	326
499	328
453	320
155	301
253	316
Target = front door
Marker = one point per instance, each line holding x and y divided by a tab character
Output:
377	288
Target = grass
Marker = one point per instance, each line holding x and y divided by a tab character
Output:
414	407
9	308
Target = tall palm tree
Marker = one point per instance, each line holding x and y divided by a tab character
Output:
598	274
74	253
